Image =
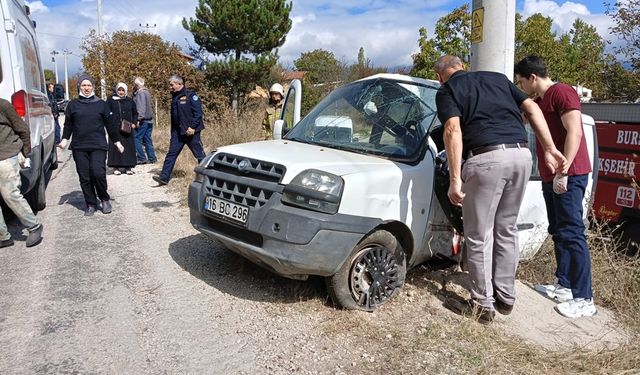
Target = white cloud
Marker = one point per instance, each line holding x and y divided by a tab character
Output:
37	7
565	14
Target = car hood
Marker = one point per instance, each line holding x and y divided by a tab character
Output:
297	157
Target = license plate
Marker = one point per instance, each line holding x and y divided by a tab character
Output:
224	208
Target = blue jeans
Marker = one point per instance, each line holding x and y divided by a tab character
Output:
566	227
143	135
10	183
178	141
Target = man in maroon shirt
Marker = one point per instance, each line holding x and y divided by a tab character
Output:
564	191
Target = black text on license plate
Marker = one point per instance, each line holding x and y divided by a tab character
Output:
227	209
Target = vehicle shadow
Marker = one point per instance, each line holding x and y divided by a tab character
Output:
209	261
74	198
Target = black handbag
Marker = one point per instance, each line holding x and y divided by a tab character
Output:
126	126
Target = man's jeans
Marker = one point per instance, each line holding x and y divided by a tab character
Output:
143	135
566	227
10	189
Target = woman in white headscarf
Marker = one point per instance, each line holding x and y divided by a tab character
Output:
122	108
86	119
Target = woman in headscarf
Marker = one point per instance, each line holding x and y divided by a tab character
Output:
122	107
86	119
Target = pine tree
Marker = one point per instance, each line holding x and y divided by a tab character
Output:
244	35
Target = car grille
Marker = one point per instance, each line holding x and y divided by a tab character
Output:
251	185
247	167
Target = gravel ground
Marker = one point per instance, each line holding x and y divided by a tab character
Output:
139	291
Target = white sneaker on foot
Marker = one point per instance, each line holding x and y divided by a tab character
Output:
577	308
555	291
117	172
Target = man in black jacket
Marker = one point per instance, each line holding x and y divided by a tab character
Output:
186	124
15	138
53	103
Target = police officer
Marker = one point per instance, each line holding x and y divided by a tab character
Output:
186	124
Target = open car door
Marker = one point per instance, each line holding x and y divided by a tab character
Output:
290	114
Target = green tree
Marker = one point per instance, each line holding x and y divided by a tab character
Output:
535	37
626	16
452	37
49	75
244	35
321	66
128	54
453	33
363	67
425	59
585	57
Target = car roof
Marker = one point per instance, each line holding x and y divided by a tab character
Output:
403	78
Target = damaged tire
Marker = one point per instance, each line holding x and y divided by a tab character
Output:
373	273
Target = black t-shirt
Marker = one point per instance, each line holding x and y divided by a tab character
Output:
488	105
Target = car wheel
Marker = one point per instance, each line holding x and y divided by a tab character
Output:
36	197
373	273
54	159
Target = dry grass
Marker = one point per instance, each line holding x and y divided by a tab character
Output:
616	277
221	128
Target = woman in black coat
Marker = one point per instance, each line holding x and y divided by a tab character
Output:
86	119
122	108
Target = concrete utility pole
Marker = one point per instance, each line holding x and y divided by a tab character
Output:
103	83
66	53
493	34
55	62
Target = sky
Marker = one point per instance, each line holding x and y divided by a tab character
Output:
387	29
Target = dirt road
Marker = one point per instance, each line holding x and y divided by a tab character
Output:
139	291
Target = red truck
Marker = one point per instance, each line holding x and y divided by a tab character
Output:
617	193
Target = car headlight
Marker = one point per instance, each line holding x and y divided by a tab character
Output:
315	190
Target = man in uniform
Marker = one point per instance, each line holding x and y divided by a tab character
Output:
481	113
186	124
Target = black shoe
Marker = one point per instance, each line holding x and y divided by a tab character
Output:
35	236
159	180
502	307
6	243
90	210
152	161
470	309
141	162
106	207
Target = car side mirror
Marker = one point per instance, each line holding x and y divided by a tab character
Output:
277	129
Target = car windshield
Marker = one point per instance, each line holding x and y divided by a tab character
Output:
382	116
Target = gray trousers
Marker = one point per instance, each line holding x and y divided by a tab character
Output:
494	184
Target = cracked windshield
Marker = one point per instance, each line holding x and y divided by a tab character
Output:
381	117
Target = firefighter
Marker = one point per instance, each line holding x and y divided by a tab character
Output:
272	113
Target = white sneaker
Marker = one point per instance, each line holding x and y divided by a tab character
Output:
555	291
117	172
577	308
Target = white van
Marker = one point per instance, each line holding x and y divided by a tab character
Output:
22	83
356	191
